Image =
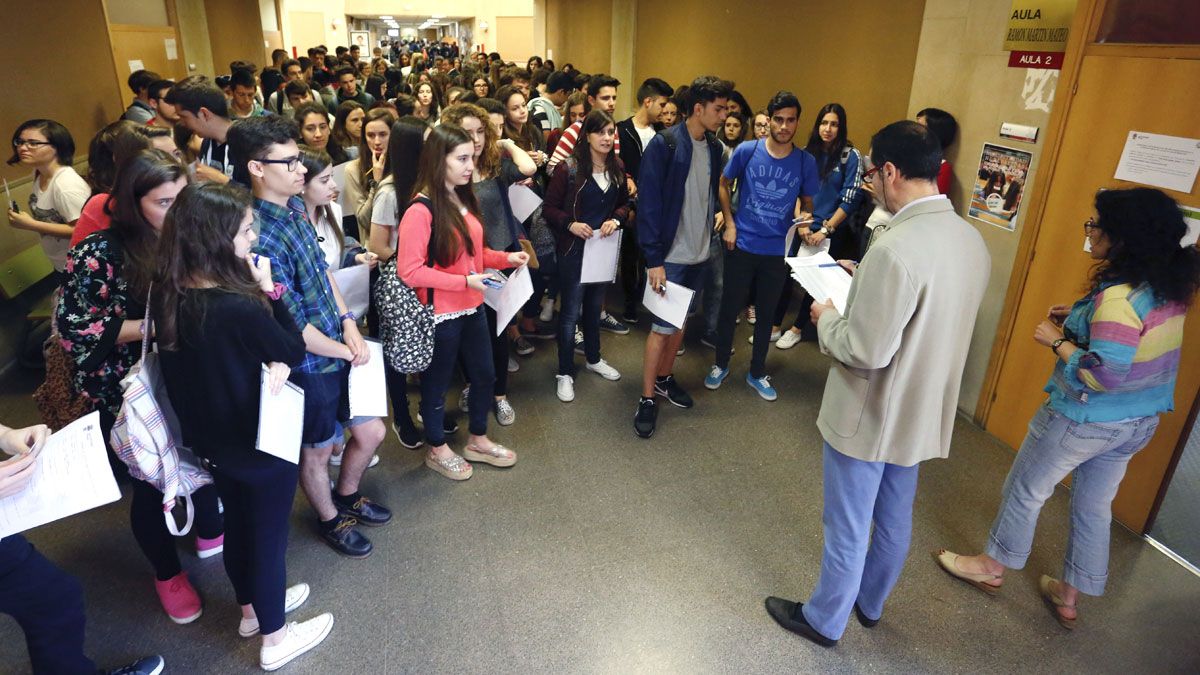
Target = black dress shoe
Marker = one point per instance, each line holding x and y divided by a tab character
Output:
787	614
364	511
344	539
862	618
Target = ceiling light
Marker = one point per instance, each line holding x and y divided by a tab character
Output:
386	18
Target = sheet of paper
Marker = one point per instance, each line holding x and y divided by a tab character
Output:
600	258
339	179
172	49
368	388
509	299
671	306
355	284
523	201
1169	162
823	278
72	476
135	65
280	420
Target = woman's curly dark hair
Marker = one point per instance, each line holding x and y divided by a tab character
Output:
1145	226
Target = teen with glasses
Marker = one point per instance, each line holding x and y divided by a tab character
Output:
59	193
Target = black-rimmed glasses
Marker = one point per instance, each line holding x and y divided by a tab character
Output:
291	162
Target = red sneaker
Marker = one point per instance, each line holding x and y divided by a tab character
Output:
179	599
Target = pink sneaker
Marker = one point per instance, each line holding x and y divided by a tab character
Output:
179	599
207	548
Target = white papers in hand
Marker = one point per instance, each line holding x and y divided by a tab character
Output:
72	476
600	258
671	306
355	284
523	201
368	388
280	420
823	278
510	298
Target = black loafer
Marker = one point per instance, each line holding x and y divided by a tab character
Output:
364	511
787	614
862	618
346	540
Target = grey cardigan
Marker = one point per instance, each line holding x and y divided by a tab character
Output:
901	348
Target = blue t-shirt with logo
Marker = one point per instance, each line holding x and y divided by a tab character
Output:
767	192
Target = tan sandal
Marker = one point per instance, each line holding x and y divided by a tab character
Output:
1054	602
497	455
454	467
948	561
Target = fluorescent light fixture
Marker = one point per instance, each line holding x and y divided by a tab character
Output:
393	32
386	18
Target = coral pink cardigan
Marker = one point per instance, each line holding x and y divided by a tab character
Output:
453	294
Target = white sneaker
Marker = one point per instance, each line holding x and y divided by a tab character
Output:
513	366
775	335
336	460
789	339
463	401
292	599
300	638
604	370
547	310
505	415
566	388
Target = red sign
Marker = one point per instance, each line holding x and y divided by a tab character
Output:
1048	60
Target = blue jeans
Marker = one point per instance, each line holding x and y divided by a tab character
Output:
1097	453
462	340
858	564
578	304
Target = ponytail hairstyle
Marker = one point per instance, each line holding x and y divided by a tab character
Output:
197	250
449	228
135	178
315	161
1145	226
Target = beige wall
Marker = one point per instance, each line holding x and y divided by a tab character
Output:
235	32
514	37
138	12
961	68
580	33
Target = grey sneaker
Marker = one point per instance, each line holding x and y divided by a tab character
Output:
505	415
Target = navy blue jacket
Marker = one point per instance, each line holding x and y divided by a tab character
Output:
660	189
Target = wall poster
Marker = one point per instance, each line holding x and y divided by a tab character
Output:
999	185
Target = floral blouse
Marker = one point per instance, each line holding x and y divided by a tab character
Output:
95	302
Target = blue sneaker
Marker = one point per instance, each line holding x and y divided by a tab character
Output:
715	377
761	384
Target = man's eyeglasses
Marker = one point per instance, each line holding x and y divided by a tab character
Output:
18	142
291	162
1089	225
870	173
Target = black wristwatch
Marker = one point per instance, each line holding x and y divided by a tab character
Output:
1056	344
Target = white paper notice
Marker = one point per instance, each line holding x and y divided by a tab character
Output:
823	278
339	179
280	420
510	298
172	50
671	306
72	476
1191	216
368	388
1169	162
523	201
355	284
600	258
135	65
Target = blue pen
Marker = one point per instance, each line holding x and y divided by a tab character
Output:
829	265
256	260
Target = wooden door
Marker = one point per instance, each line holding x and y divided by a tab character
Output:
1115	89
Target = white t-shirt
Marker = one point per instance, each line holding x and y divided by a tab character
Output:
601	179
645	134
383	212
328	239
61	202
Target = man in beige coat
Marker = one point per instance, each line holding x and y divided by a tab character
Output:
890	398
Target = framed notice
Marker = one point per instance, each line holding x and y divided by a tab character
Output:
999	185
361	38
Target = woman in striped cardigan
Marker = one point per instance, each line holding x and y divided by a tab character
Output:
1117	356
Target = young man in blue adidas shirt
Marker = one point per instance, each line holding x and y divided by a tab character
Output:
776	184
676	208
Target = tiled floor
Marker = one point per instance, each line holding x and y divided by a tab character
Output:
602	552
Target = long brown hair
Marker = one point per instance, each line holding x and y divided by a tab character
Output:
528	137
592	124
315	161
196	249
449	229
489	159
364	151
135	178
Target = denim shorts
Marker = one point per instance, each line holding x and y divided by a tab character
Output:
326	407
688	276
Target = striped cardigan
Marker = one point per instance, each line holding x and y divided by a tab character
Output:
1129	343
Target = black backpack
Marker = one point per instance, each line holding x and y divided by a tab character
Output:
405	323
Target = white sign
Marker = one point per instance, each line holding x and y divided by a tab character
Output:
135	65
172	49
1168	162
